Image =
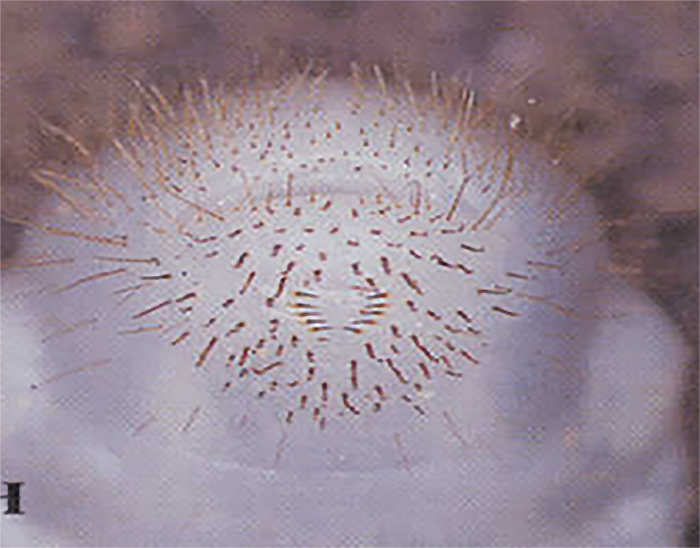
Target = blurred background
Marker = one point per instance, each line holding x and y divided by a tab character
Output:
611	87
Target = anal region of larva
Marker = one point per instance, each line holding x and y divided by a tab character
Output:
316	275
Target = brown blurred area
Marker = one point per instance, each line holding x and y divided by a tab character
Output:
611	86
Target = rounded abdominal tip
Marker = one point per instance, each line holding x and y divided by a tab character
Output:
317	276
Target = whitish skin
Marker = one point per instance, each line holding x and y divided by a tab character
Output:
330	313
